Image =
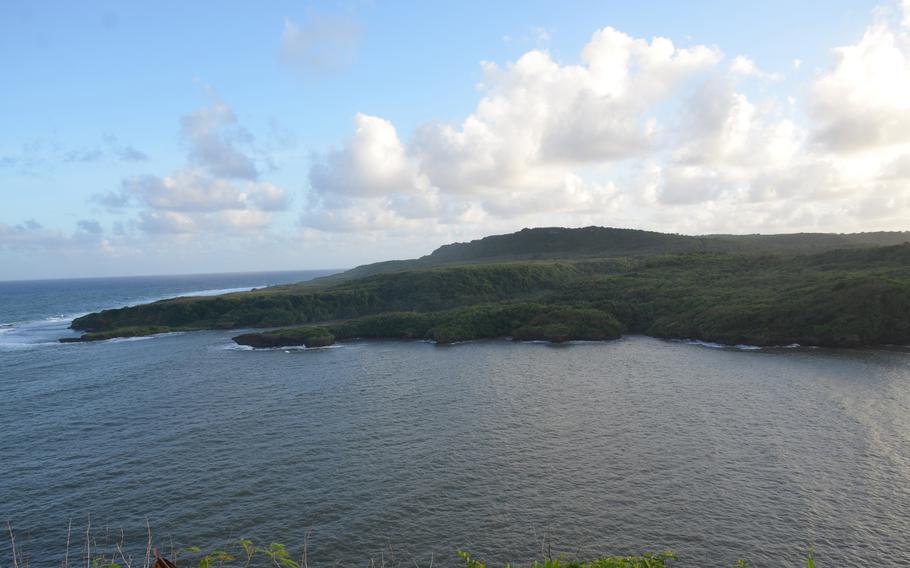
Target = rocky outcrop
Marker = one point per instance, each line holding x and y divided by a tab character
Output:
287	338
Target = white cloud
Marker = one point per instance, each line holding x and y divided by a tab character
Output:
167	222
30	236
898	169
574	196
368	215
192	190
322	43
643	131
540	115
124	152
227	221
863	102
682	185
243	219
538	121
372	162
90	226
218	190
213	136
632	132
745	67
722	127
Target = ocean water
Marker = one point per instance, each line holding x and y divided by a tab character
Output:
373	448
39	311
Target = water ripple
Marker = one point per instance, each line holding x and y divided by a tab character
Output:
496	446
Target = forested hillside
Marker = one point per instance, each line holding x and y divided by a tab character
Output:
771	293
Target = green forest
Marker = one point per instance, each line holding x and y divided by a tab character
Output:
567	284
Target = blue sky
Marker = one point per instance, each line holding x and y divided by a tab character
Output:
198	137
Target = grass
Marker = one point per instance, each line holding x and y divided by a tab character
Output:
101	551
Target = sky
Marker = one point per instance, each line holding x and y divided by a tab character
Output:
193	137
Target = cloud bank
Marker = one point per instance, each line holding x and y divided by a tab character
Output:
641	133
634	132
217	191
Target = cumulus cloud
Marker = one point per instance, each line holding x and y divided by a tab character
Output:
90	226
167	222
646	132
863	102
372	162
191	200
368	215
321	43
539	116
538	121
745	67
722	127
25	238
573	196
898	168
124	152
175	222
632	132
218	190
191	190
214	137
684	185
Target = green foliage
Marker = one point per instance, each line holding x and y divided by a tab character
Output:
308	336
131	331
858	296
470	562
278	554
520	320
244	553
647	560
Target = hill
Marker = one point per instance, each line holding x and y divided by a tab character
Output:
563	284
549	243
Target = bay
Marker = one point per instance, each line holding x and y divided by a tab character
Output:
501	448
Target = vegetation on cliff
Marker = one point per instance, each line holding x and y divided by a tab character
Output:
845	297
522	321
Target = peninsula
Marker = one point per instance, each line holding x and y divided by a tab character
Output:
557	284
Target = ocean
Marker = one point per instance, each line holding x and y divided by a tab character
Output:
405	452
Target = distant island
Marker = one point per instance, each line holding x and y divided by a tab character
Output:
557	284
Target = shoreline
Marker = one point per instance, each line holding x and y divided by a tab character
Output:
248	333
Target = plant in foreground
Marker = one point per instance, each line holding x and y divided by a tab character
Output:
244	553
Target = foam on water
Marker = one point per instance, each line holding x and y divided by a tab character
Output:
39	313
47	330
142	337
714	345
700	343
191	294
18	346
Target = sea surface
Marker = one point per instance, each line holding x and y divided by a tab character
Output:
404	451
